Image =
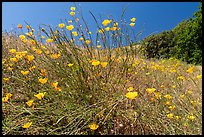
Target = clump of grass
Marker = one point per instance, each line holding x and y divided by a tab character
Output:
62	82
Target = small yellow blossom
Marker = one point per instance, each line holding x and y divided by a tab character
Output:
190	70
170	115
168	103
180	78
5	99
54	84
98	46
40	95
157	95
168	96
6	79
43	80
75	33
81	38
191	117
172	107
42	37
113	28
33	42
32	68
27	27
150	90
9	95
182	96
43	72
24	72
190	91
22	37
115	24
199	76
93	126
178	117
72	13
72	8
58	89
27	125
30	103
13	59
133	20
131	95
55	56
49	40
30	57
95	63
87	42
173	86
20	26
69	65
106	22
104	64
162	86
70	27
132	24
61	25
193	102
130	89
107	28
12	50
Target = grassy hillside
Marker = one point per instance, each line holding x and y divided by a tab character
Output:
60	88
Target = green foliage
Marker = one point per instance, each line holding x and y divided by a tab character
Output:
183	42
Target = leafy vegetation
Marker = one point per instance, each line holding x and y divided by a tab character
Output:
183	42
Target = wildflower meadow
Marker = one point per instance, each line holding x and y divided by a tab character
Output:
61	81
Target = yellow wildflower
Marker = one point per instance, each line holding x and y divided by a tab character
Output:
132	24
178	117
168	96
190	70
199	76
58	89
72	8
106	22
81	38
43	72
61	25
22	37
30	57
133	20
115	24
104	64
40	95
13	59
95	63
30	103
54	84
130	89
6	79
69	65
180	78
150	90
38	51
170	115
12	50
49	40
107	28
9	95
75	33
32	68
93	126
87	42
162	86
157	95
191	117
70	27
55	56
20	26
172	107
5	99
98	46
131	95
173	86
27	27
42	37
168	103
27	125
72	13
33	42
24	72
113	28
182	96
101	31
43	80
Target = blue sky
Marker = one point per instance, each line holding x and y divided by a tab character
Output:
154	16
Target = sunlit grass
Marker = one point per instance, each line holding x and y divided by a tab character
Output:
61	81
